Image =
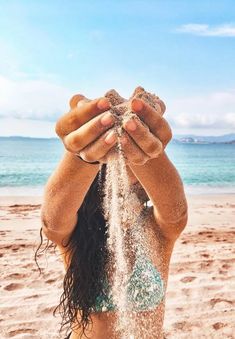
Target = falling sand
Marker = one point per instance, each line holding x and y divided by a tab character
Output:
123	211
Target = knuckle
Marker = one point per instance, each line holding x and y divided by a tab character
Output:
161	125
68	147
87	156
92	105
75	99
158	151
162	105
160	146
62	125
138	161
58	128
152	148
167	132
164	129
71	119
146	109
72	143
158	108
145	131
136	158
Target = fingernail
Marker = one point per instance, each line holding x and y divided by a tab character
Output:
103	104
131	125
110	138
137	104
107	119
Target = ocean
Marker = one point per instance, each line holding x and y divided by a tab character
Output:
27	163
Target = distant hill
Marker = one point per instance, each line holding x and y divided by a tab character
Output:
184	138
191	138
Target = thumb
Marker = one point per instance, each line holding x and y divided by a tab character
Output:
76	100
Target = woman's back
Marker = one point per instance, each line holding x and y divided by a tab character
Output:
150	305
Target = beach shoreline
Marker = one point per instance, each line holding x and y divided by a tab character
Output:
195	194
200	293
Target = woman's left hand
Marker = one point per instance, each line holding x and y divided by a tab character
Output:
146	138
147	141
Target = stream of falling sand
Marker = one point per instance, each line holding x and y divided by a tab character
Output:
122	210
118	205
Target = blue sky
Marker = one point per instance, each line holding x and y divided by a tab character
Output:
184	51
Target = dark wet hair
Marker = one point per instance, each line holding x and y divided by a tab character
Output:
83	281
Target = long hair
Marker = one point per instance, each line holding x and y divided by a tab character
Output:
83	281
84	278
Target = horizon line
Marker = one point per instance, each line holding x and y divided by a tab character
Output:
178	134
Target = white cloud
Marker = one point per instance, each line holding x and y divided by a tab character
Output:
225	30
32	99
214	112
209	120
31	108
27	128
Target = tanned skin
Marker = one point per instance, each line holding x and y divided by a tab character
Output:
87	129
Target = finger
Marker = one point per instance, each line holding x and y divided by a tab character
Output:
100	147
132	152
162	105
75	99
153	119
146	112
80	115
142	136
89	132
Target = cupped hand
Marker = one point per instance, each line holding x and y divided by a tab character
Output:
146	136
85	129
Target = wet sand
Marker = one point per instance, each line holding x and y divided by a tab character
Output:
200	300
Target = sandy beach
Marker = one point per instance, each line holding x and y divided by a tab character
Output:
200	301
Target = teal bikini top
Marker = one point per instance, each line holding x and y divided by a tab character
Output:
145	289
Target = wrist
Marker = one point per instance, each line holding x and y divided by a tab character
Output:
73	161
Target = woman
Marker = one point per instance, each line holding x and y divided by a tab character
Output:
72	218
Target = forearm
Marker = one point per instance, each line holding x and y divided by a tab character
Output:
164	187
65	191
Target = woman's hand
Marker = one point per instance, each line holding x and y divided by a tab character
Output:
86	126
145	138
146	141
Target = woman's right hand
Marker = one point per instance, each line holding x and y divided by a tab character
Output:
86	122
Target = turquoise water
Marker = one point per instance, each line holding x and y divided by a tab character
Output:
204	164
26	162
